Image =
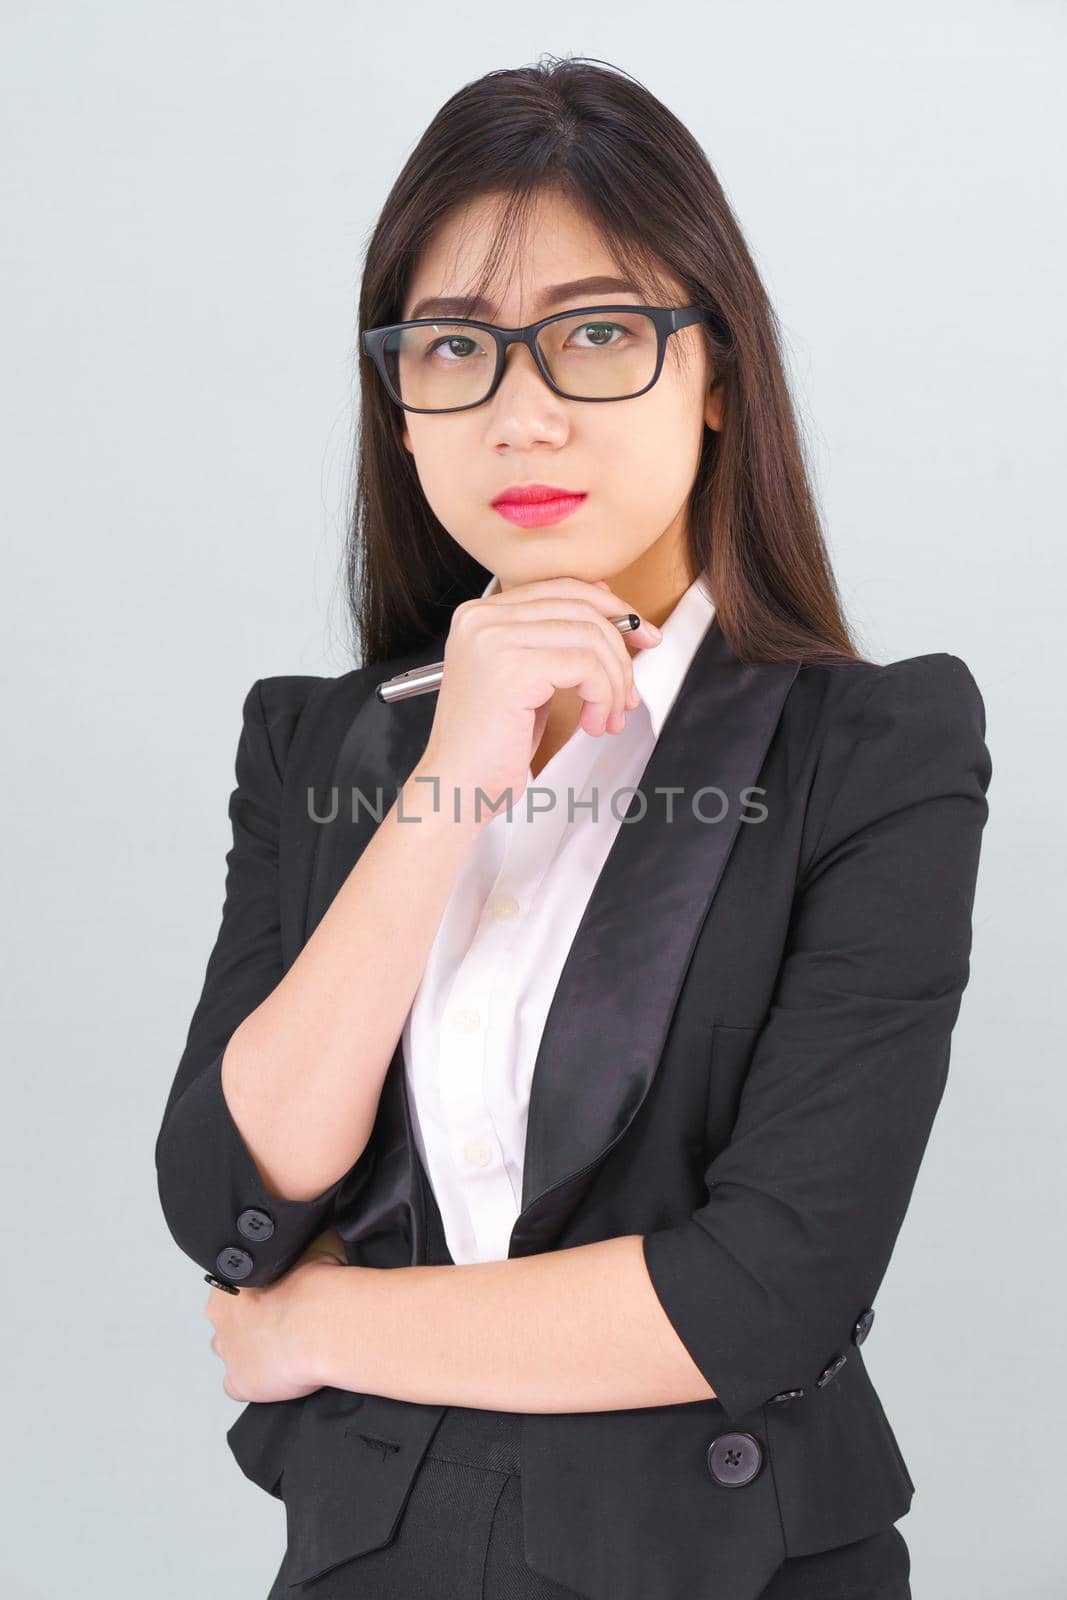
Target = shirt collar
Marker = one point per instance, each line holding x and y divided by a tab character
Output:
659	670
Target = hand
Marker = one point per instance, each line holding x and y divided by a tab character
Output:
261	1335
505	656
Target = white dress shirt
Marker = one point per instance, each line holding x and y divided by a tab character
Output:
471	1037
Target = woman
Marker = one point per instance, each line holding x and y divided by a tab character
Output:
612	1126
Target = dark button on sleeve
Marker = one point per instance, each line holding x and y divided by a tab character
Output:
217	1283
234	1263
255	1224
830	1372
863	1325
787	1394
734	1459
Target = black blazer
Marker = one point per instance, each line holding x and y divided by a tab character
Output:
742	1062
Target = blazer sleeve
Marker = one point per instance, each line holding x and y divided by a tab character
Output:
213	1195
764	1283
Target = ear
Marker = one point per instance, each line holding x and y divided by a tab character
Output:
713	406
406	437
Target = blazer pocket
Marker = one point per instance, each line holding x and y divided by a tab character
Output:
347	1477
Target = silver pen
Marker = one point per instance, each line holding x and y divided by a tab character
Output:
420	680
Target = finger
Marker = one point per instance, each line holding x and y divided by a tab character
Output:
545	613
585	638
618	660
587	670
599	594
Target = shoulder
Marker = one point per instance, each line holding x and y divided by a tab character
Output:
896	736
935	693
283	712
303	718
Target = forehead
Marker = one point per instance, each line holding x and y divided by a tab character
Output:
553	243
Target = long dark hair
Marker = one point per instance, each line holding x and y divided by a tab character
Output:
600	138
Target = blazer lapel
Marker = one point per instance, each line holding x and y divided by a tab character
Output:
606	1027
605	1030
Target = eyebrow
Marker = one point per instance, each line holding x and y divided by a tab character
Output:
458	306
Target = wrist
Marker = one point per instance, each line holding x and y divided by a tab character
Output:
317	1313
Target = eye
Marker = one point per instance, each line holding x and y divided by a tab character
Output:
451	339
602	333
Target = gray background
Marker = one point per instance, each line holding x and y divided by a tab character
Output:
187	190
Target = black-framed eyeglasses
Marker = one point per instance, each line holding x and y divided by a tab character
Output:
592	353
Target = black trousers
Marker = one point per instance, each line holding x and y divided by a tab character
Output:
460	1533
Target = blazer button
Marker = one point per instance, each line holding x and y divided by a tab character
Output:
217	1283
255	1224
830	1372
863	1325
734	1459
787	1394
234	1263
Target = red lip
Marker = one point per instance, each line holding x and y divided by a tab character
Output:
535	494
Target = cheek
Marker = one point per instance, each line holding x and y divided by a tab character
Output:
439	465
655	462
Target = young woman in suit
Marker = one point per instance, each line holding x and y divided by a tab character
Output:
599	1327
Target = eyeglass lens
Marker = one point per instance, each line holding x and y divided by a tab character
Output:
439	365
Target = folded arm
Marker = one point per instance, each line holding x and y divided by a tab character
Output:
570	1330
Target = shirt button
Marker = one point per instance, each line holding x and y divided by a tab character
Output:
476	1153
466	1020
505	907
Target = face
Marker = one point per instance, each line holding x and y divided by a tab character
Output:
634	460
